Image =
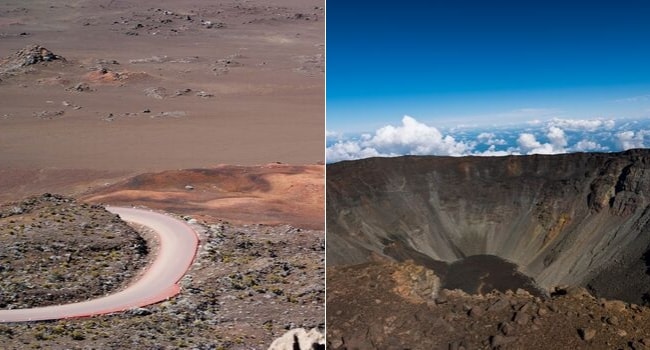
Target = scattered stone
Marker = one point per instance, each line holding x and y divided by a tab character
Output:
476	311
204	94
525	307
80	87
612	320
520	318
189	187
499	340
140	311
614	305
499	305
182	92
506	328
542	311
48	114
156	92
587	334
522	292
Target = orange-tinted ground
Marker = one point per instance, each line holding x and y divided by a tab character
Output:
270	194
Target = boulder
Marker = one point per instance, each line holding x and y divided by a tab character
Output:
299	339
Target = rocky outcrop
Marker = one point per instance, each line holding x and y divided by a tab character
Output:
574	219
30	55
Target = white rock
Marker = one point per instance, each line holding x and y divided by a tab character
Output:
305	340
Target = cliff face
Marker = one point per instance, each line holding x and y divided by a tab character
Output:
577	219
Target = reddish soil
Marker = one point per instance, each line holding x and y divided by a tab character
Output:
271	194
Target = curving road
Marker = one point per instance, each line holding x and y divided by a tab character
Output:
178	245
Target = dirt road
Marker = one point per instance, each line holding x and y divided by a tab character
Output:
178	244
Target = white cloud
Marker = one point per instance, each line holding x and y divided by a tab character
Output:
493	152
630	139
552	136
348	150
412	137
485	136
587	145
528	142
490	139
582	124
529	145
557	138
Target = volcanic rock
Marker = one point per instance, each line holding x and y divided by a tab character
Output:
587	334
29	55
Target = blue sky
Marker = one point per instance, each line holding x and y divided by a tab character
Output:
485	64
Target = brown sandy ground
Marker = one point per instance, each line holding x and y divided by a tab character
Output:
388	305
156	85
249	284
271	194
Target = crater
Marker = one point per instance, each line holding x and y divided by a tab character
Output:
533	222
475	274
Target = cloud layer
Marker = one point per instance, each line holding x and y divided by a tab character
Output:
554	136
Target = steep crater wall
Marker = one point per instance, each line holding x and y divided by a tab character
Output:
575	219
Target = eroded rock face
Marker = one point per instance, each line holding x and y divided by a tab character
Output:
573	219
